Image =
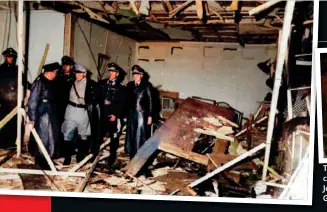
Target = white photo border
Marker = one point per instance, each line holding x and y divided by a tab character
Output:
320	132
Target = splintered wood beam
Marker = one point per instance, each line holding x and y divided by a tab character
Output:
87	158
168	5
212	9
216	5
39	142
82	186
228	165
41	172
20	92
199	9
144	7
192	156
8	117
234	5
134	7
67	33
180	8
92	14
264	7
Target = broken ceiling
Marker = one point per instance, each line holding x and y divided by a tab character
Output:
206	21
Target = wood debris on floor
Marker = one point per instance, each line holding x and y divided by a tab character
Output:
197	139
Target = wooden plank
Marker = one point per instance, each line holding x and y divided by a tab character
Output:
67	33
263	7
8	117
234	5
199	9
227	165
214	133
44	57
41	172
219	159
72	34
169	94
88	175
168	5
180	8
20	92
198	158
134	8
227	121
220	147
40	144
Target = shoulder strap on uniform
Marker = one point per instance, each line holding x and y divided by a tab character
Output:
78	96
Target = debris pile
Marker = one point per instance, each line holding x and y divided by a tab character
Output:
199	150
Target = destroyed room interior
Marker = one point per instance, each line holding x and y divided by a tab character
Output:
229	84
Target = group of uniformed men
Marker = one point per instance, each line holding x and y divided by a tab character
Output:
71	111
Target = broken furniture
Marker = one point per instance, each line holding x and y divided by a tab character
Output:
168	102
177	136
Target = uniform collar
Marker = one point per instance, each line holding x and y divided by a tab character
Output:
82	81
112	81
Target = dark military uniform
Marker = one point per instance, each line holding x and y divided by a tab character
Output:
42	110
8	97
139	102
111	103
64	83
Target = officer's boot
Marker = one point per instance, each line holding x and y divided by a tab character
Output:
114	144
83	149
68	151
42	163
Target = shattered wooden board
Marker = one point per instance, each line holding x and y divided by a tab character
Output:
178	130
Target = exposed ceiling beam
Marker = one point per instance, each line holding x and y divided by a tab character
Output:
199	9
134	7
180	8
264	7
92	14
168	5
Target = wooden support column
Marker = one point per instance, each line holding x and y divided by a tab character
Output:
278	73
20	31
74	19
67	33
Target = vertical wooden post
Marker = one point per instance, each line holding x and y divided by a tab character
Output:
74	19
278	73
67	33
20	32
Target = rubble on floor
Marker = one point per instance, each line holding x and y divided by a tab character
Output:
197	139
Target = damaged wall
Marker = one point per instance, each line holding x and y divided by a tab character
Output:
8	26
121	49
101	40
96	36
224	72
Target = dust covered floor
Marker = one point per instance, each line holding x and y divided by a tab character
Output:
164	176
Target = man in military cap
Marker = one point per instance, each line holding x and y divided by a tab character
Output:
42	112
8	95
65	79
139	102
111	104
82	115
